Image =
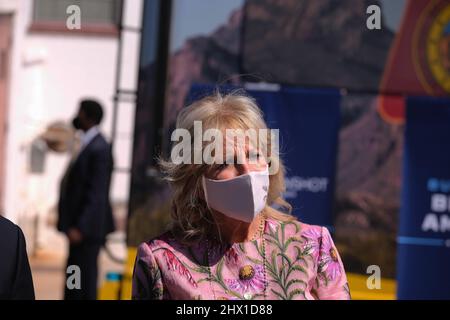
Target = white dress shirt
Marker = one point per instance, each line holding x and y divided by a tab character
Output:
88	136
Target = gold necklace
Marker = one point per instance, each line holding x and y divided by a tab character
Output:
247	295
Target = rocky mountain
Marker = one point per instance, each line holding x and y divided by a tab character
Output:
311	43
204	59
368	183
368	186
315	43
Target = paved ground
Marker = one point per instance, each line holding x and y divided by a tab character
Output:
47	251
48	264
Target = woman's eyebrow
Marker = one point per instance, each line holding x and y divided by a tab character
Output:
231	159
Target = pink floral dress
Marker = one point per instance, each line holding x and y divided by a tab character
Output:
292	260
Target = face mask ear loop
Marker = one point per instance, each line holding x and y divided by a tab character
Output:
210	209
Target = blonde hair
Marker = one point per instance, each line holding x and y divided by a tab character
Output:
192	220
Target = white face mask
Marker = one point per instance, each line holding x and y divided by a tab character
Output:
240	198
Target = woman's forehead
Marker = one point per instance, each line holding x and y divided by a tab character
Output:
240	145
224	142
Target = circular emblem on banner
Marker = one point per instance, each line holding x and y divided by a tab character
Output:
438	48
431	48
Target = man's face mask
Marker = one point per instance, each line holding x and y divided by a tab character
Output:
76	123
241	197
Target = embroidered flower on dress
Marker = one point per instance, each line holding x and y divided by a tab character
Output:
329	263
252	280
312	244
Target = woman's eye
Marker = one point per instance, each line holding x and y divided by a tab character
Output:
255	156
221	166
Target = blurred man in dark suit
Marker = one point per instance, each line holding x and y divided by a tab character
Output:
84	209
16	282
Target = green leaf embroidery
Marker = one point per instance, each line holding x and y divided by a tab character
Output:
255	261
291	240
296	226
291	282
278	294
298	268
295	292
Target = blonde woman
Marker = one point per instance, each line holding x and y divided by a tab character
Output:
226	240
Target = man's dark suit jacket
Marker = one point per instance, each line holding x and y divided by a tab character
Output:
16	282
84	193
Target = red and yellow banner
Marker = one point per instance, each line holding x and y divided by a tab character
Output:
419	60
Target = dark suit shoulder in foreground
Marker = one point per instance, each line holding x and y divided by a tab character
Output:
16	282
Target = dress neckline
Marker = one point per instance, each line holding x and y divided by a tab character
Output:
216	242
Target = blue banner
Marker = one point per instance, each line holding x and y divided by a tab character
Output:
423	257
308	121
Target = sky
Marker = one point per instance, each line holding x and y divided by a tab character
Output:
198	17
392	11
